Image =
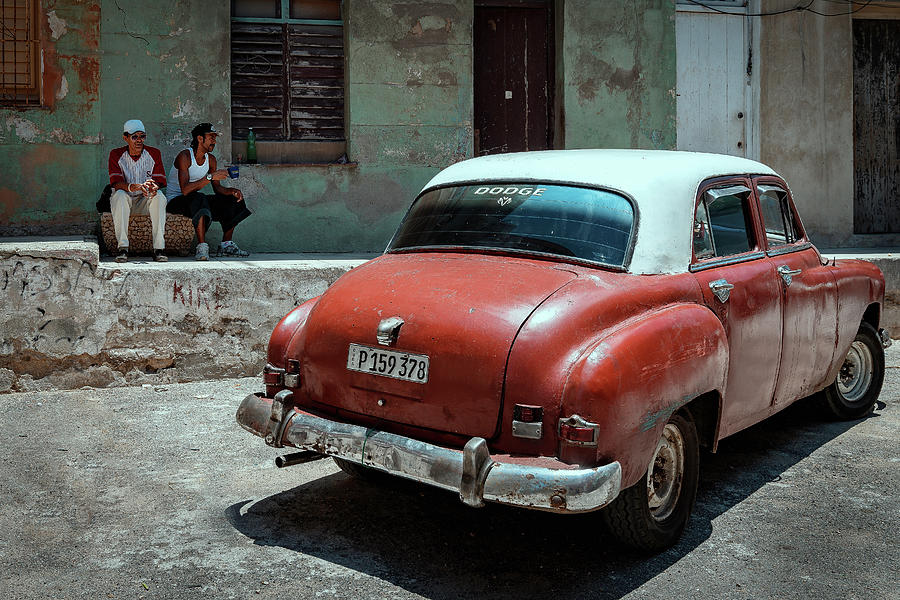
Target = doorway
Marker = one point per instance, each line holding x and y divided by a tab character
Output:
717	80
876	126
513	71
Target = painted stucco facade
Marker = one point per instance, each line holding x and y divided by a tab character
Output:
409	109
806	115
618	78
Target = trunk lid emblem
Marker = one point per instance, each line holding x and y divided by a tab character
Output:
388	330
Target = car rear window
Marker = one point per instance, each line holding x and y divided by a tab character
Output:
561	220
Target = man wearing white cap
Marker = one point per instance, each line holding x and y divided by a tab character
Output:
136	173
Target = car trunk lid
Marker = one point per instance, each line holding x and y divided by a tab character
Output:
462	311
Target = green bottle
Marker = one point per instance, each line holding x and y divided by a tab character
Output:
251	147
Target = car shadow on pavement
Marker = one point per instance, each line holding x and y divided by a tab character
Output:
425	541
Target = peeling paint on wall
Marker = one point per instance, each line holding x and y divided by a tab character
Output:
25	130
57	26
63	90
186	110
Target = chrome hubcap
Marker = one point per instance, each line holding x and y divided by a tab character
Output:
665	473
856	373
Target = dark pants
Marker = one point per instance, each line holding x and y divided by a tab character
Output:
221	207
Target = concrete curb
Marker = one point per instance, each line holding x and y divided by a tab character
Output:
70	319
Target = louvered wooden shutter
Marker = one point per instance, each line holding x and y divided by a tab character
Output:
257	80
287	81
316	82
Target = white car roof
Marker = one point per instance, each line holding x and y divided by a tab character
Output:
662	183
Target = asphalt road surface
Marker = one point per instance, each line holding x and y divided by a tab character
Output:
157	493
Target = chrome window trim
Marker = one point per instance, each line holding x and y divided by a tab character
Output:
725	261
768	187
778	251
728	190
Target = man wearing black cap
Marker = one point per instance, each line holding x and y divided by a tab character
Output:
194	168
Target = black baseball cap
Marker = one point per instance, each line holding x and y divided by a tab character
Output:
203	129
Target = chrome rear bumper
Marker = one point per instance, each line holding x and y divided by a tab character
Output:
471	472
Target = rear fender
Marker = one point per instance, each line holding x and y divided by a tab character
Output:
285	330
632	380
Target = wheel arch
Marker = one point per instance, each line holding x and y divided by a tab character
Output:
872	315
706	411
637	376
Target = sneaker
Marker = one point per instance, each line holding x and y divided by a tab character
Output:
160	256
202	251
122	255
232	250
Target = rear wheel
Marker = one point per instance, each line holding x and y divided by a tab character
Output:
651	515
853	393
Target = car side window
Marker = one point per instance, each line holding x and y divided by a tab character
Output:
778	218
722	224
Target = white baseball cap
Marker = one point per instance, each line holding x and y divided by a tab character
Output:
133	126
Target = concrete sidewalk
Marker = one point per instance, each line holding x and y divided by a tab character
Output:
71	318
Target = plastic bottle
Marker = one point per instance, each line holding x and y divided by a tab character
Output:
251	147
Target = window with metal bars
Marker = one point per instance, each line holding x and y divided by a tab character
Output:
20	51
287	70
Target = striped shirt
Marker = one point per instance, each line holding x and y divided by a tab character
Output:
125	169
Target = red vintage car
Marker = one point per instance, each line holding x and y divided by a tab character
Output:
565	330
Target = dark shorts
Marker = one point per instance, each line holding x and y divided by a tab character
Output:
221	207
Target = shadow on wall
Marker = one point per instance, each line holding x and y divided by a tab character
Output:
425	541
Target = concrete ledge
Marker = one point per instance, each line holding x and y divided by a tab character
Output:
70	319
80	249
888	260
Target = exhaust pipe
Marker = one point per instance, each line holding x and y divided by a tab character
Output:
297	458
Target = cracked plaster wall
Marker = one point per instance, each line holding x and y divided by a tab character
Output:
68	321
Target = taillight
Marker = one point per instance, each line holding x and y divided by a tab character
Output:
576	434
276	380
276	377
576	430
273	375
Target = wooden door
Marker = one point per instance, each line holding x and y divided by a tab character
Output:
714	84
513	77
876	126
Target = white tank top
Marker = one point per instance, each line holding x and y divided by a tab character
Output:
195	173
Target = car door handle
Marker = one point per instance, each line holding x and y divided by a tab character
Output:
721	288
788	273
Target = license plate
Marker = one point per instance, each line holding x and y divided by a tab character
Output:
388	363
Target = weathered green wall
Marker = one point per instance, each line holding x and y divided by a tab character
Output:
409	113
409	109
168	65
48	156
619	73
